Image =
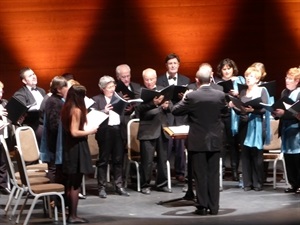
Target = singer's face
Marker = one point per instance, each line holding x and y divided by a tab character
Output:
227	72
291	83
149	80
172	66
109	89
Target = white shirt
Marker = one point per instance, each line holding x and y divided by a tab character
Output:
38	98
172	81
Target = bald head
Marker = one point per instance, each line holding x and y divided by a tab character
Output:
149	77
204	73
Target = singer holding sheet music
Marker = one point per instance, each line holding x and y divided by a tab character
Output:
253	130
31	94
289	129
152	138
109	138
227	72
173	77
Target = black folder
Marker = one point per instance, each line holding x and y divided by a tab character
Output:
227	85
177	90
148	95
15	109
279	104
123	89
119	104
254	103
294	108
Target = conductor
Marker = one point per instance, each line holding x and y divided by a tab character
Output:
204	142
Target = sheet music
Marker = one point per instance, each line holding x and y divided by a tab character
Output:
183	129
94	119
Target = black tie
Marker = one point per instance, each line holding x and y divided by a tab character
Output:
174	78
34	89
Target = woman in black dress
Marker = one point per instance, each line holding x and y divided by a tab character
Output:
76	155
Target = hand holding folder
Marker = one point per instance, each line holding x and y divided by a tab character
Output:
148	95
254	103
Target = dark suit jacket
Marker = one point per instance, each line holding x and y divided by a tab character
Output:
182	80
33	118
203	107
152	120
163	80
100	104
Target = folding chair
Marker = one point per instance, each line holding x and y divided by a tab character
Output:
16	187
27	143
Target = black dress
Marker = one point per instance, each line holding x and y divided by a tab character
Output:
76	155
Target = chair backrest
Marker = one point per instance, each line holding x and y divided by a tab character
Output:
22	167
132	141
93	146
9	163
275	140
27	143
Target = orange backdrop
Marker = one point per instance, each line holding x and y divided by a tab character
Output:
90	38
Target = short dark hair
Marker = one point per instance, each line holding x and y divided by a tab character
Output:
172	56
22	71
228	62
68	76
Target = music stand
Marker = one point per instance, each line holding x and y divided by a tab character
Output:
181	132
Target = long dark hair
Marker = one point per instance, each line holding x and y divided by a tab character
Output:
75	98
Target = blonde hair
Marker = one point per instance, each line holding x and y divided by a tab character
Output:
293	73
261	67
254	70
1	85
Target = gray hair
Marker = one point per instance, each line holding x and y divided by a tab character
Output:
105	80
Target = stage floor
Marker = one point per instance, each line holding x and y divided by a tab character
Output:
236	207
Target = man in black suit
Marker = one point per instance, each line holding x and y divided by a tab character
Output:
31	95
123	75
205	139
172	77
152	138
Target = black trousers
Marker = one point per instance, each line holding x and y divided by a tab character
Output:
148	148
110	147
205	166
3	173
292	162
252	167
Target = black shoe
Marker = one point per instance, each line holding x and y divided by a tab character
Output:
146	191
290	190
201	211
257	189
297	191
247	188
164	189
121	191
5	191
102	193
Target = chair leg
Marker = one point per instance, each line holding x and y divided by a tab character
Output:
169	174
138	179
22	208
108	173
17	203
63	209
221	175
83	185
274	173
30	210
285	174
10	198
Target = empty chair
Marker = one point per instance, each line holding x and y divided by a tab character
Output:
38	190
27	143
17	188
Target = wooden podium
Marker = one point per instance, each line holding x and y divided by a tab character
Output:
177	132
